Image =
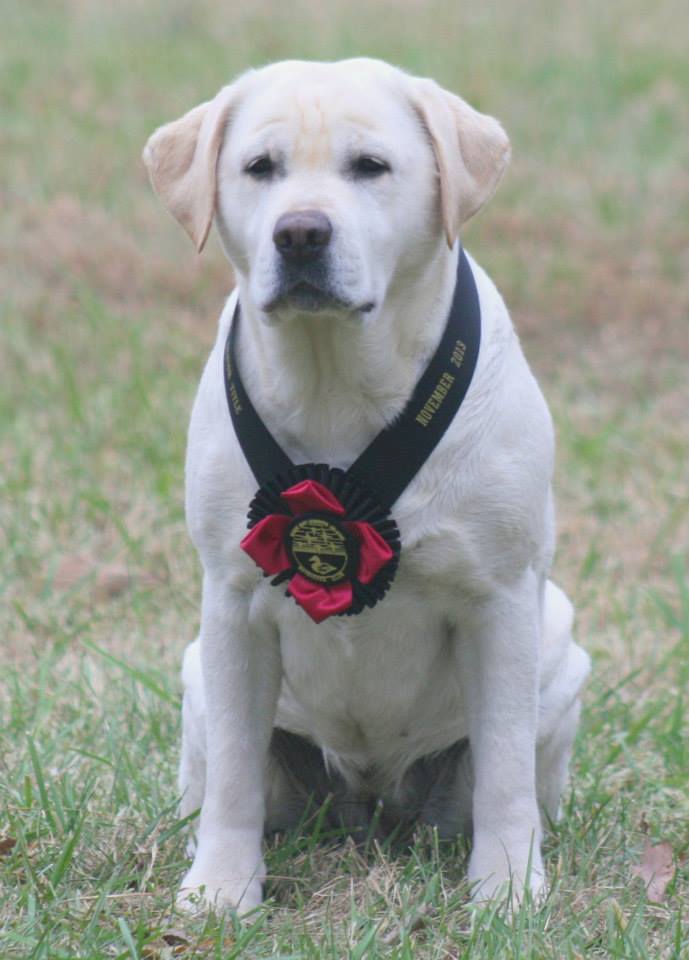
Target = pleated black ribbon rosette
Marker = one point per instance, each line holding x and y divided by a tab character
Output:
333	543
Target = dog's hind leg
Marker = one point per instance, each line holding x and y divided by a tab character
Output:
445	783
297	780
192	767
564	672
300	782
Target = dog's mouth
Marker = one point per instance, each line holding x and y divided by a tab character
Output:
307	297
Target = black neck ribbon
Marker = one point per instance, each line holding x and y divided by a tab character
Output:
365	493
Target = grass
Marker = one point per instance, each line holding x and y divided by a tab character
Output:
106	318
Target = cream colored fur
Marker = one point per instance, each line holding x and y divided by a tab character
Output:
473	639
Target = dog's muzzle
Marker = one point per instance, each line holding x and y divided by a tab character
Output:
302	241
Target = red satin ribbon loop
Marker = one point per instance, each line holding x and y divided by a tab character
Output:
318	601
374	551
265	543
311	495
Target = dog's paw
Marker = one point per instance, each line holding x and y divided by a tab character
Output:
496	879
227	872
199	893
511	889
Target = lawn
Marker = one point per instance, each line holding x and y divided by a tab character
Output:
106	317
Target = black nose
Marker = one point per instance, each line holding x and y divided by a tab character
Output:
302	235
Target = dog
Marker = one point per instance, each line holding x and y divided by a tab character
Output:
339	191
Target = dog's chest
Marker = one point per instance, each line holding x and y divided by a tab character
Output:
378	689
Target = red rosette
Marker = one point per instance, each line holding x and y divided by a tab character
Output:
319	529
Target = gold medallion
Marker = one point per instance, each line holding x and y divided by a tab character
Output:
319	549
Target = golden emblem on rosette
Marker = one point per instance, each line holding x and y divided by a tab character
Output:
319	550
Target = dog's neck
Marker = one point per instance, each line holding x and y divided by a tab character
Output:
326	386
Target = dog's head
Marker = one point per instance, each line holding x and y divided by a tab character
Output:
327	179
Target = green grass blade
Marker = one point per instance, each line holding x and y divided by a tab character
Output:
40	783
140	676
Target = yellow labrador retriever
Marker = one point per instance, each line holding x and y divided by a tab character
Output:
338	191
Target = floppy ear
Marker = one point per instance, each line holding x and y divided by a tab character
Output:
471	149
181	158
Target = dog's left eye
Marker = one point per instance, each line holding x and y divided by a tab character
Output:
260	167
366	166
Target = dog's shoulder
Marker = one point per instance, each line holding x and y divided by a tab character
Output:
218	482
481	503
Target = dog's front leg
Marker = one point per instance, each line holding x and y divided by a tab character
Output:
241	678
499	654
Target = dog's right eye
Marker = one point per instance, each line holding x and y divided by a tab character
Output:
260	167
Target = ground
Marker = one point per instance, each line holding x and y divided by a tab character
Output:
106	316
